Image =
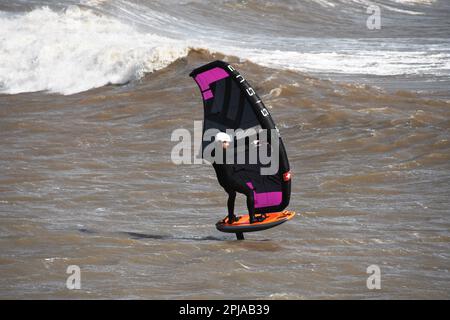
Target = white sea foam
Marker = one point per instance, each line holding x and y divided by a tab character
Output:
415	2
362	60
75	50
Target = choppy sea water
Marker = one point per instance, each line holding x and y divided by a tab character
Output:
92	90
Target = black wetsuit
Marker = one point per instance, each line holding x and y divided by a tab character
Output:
232	183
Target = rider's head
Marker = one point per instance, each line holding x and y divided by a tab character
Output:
224	139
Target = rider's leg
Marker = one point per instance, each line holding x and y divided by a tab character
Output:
230	204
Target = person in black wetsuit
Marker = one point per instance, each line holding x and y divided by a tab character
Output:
231	182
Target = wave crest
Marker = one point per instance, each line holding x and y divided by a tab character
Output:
75	50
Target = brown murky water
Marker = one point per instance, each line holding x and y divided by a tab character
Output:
87	180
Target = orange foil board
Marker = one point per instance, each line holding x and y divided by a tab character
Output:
243	225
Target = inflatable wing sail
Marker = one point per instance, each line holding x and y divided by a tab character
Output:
229	102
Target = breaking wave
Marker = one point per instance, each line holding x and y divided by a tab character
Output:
77	46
